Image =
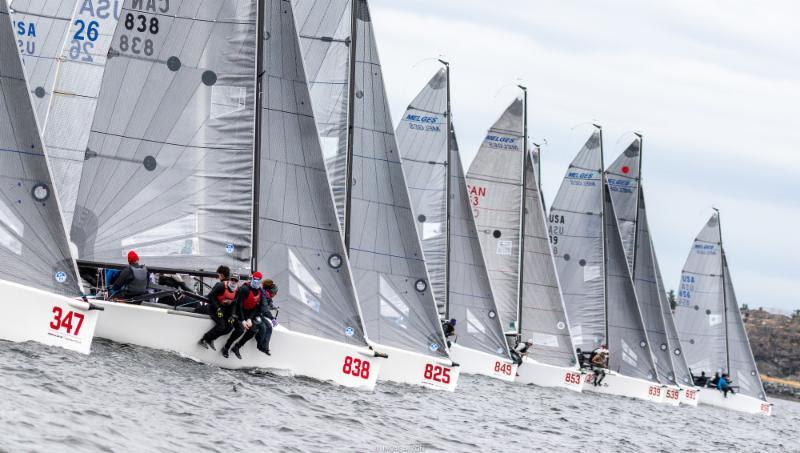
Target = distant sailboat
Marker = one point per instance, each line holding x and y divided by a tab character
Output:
41	30
38	277
446	228
625	186
710	325
598	290
198	170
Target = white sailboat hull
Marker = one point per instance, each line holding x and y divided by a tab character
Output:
31	314
737	402
471	361
292	352
690	396
672	395
406	367
543	375
617	384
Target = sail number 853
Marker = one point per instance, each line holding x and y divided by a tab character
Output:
62	321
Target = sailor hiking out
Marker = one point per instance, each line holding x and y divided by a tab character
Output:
521	350
599	363
246	310
449	329
220	307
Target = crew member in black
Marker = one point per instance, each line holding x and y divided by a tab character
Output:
600	364
584	358
246	307
263	325
132	281
220	307
700	381
520	351
449	328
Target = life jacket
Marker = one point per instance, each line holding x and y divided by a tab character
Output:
252	299
227	294
139	283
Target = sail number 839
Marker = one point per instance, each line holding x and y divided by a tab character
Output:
62	321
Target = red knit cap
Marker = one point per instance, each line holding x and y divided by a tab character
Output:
257	275
132	257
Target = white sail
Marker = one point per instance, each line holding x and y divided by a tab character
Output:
41	29
576	233
324	29
544	318
34	250
707	316
422	137
73	102
624	184
300	245
169	163
495	184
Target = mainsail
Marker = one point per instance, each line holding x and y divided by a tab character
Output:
458	277
169	164
709	322
385	253
41	27
624	184
495	184
78	76
34	249
300	245
543	319
576	233
324	27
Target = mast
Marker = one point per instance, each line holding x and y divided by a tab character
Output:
604	232
522	210
724	293
351	92
257	136
636	214
448	189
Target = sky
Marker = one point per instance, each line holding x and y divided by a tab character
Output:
713	86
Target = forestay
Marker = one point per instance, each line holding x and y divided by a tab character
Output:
576	232
495	185
544	318
624	184
385	253
700	312
324	28
300	245
41	27
628	342
422	138
74	99
169	164
34	250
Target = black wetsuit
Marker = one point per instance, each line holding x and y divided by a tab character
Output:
449	331
243	313
700	381
262	326
220	313
519	350
132	281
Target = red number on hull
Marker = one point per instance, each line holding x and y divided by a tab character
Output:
437	373
672	394
572	378
61	321
690	394
504	368
356	367
765	408
654	391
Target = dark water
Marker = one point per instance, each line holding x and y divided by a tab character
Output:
124	398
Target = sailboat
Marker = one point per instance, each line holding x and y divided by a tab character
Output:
369	185
710	325
78	72
445	225
38	276
41	30
205	147
510	216
624	182
598	290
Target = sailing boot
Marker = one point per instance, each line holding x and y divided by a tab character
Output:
225	351
235	351
207	344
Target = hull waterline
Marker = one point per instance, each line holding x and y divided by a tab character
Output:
405	367
735	402
543	375
471	361
619	385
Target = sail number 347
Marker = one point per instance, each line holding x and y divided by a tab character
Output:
65	321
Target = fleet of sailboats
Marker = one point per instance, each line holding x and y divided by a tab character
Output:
257	134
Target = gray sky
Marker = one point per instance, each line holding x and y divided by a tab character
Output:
714	87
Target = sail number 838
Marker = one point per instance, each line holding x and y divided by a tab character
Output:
356	367
141	24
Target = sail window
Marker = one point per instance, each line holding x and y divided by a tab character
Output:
178	237
302	284
226	100
714	320
474	325
392	306
592	272
11	227
545	339
504	247
628	355
431	230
